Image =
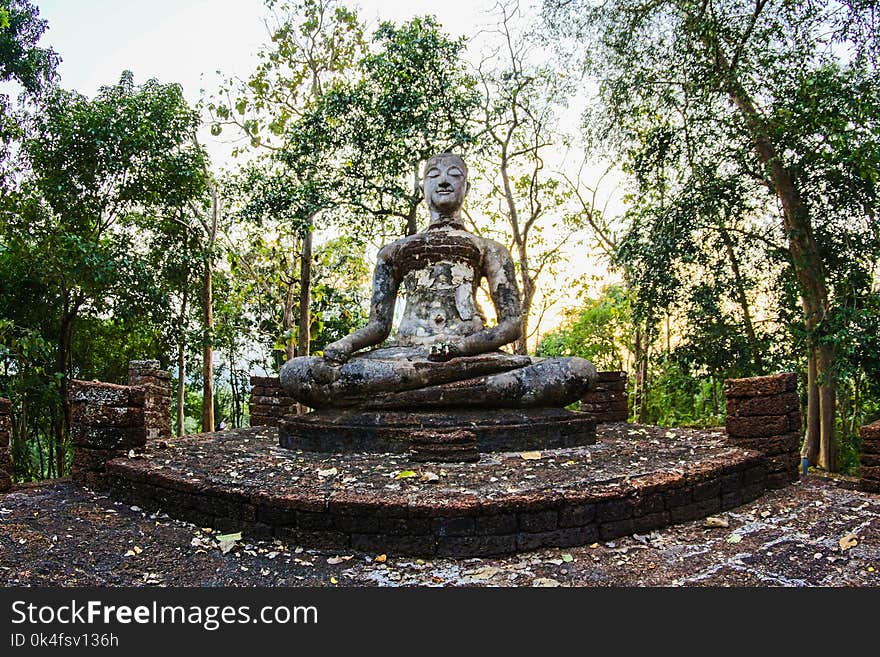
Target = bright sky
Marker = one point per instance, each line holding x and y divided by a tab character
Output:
188	41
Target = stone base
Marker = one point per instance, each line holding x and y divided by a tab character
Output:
633	480
400	432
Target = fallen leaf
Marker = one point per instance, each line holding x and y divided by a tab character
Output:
848	541
228	541
333	580
546	582
715	521
335	560
567	558
382	558
530	456
406	474
328	473
486	572
734	538
429	477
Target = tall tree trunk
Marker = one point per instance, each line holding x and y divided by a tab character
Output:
528	297
208	319
827	410
287	319
208	348
61	424
807	264
305	293
412	226
810	449
181	347
181	363
643	381
757	359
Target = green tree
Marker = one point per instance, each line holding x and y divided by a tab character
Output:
98	171
726	85
22	62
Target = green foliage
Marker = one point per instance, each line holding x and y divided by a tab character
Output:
597	330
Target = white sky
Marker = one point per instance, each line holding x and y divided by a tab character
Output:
188	41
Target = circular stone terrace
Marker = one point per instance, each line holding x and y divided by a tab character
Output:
632	480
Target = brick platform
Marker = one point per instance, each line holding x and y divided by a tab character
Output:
870	458
607	401
5	458
763	413
452	435
268	402
624	484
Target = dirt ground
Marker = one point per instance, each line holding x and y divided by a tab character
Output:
818	532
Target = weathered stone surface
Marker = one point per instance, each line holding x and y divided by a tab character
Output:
97	437
870	472
85	458
772	445
781	404
761	385
757	426
870	446
615	376
870	431
265	381
107	416
106	394
511	430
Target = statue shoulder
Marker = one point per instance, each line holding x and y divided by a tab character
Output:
490	247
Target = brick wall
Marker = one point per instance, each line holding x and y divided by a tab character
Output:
5	460
268	402
870	458
106	421
763	413
606	401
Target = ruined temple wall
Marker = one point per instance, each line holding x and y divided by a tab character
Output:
763	413
157	398
607	401
870	458
106	422
268	402
5	430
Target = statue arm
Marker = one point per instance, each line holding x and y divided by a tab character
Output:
385	285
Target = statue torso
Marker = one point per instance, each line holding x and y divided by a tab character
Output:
440	271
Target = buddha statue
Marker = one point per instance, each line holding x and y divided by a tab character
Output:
443	355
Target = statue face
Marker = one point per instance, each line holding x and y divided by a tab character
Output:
445	184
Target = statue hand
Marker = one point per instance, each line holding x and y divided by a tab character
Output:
337	352
444	351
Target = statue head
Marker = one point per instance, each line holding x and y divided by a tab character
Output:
445	184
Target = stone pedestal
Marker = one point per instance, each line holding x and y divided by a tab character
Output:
268	402
870	458
763	413
5	458
454	435
606	401
106	421
157	398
